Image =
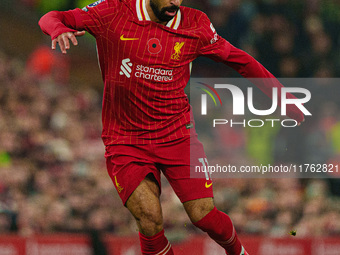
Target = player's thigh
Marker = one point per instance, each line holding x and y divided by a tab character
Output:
128	166
144	205
183	157
145	198
194	189
137	181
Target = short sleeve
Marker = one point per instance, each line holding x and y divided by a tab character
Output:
212	45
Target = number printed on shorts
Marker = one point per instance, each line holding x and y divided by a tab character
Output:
205	169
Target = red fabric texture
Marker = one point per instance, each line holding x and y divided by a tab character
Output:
155	245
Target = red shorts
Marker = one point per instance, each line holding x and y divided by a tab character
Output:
128	165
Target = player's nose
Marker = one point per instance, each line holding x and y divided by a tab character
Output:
175	2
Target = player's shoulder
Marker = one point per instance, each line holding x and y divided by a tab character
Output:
115	3
103	4
107	8
193	18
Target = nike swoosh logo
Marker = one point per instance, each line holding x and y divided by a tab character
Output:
128	39
116	181
208	185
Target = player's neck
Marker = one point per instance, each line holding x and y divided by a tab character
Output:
152	14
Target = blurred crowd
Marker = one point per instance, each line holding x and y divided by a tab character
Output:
291	38
52	170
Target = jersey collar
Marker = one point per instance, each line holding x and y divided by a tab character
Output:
143	15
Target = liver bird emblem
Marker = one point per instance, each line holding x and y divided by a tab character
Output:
177	48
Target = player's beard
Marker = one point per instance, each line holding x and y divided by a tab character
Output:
160	12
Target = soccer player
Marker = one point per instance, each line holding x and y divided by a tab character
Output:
145	50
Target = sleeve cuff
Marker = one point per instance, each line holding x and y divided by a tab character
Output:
60	31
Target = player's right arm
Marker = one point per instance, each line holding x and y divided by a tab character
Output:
61	26
65	26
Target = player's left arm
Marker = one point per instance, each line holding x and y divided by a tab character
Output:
249	67
220	50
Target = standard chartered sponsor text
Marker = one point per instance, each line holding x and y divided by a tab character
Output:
155	74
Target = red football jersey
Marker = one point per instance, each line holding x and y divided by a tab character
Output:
146	66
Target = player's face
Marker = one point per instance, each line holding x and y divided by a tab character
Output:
165	10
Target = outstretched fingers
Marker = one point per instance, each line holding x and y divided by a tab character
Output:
64	40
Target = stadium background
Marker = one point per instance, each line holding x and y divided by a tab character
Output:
52	171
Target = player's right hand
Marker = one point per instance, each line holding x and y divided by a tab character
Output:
64	40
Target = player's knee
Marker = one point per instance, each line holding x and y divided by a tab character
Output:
150	223
199	214
198	209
